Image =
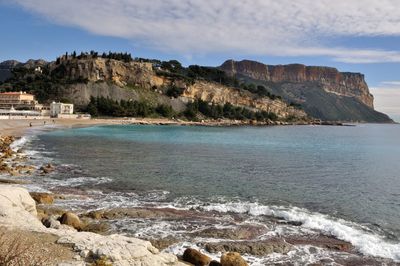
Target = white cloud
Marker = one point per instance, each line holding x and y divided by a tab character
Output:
391	84
258	27
387	98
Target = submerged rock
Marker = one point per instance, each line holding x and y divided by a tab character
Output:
323	242
42	198
14	181
164	242
46	169
149	213
196	257
257	248
244	232
98	227
232	259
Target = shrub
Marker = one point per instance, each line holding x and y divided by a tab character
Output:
174	91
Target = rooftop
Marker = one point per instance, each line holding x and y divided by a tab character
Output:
15	93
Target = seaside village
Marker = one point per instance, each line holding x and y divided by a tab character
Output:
22	105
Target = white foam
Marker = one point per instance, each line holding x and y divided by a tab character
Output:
366	242
19	143
300	255
77	181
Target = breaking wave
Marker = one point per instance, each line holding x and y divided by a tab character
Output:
359	236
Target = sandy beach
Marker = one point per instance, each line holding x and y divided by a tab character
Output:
19	127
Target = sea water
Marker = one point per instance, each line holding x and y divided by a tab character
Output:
342	181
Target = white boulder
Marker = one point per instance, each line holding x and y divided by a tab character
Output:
18	209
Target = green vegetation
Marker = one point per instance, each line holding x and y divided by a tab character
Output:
107	107
125	57
227	111
259	90
44	85
211	74
173	69
174	91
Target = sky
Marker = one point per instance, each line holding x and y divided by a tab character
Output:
351	35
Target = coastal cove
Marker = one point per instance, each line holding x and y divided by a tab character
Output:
273	180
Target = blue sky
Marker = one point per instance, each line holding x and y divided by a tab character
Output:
346	34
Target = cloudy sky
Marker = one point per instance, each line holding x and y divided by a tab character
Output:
352	35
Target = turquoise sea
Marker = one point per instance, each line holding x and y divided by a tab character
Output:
341	181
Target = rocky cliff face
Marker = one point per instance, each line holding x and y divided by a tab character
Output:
323	92
111	79
333	81
216	93
100	69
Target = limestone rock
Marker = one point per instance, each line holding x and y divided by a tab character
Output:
42	198
51	222
97	227
221	94
164	242
196	257
17	208
323	92
14	181
46	169
257	248
72	220
346	84
322	241
120	250
232	259
244	232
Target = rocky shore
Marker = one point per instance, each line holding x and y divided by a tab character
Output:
31	223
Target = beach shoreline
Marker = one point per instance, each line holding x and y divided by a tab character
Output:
19	127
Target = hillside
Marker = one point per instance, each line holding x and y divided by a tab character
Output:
117	85
323	92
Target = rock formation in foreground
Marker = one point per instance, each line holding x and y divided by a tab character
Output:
18	211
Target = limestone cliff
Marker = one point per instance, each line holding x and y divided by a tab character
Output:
100	69
341	83
137	80
217	93
324	92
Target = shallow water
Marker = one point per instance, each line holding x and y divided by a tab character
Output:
343	181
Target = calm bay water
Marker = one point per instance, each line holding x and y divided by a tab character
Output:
352	173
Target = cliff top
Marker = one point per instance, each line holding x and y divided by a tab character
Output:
255	65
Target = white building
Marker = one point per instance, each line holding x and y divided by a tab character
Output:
61	109
19	114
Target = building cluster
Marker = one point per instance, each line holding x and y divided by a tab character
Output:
24	105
